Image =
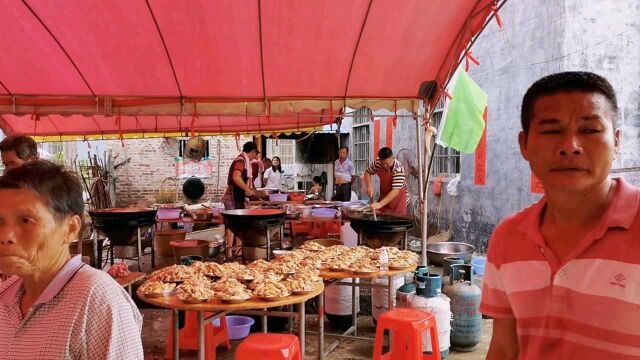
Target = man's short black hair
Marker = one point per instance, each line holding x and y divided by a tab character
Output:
384	153
249	146
59	188
24	146
582	81
343	147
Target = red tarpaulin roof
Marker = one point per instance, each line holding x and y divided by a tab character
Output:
71	67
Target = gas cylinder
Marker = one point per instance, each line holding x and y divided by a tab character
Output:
439	306
466	326
337	305
446	268
380	295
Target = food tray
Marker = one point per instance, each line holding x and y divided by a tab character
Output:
157	295
273	298
233	300
400	267
303	292
193	301
363	272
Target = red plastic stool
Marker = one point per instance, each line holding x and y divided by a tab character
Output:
405	332
269	347
188	335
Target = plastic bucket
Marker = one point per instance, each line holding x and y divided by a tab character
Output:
168	213
238	327
163	238
190	247
479	265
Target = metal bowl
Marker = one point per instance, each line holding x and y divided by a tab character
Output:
436	252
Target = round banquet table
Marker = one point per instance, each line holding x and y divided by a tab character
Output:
219	309
336	277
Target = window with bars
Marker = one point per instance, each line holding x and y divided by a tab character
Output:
446	161
285	149
361	128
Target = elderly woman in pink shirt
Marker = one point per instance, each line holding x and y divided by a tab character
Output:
54	306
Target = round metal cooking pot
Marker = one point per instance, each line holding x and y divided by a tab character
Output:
120	224
257	214
382	223
436	252
193	188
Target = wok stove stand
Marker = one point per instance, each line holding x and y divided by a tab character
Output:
389	228
240	225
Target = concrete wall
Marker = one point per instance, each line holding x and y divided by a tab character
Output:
543	37
540	37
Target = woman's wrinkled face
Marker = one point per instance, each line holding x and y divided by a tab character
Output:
31	239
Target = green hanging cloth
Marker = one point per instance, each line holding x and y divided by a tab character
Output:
463	124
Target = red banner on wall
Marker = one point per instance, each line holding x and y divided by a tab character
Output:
536	185
480	176
376	137
388	134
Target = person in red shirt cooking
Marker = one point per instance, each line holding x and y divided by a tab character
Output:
240	179
393	190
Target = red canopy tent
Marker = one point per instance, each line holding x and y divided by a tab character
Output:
81	69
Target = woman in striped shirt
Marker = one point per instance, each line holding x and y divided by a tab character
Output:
393	191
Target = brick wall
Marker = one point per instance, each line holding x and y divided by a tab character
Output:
138	182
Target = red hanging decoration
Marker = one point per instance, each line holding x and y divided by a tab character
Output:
194	116
494	9
35	117
469	56
119	123
395	113
446	93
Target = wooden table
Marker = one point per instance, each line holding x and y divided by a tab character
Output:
130	279
219	309
336	277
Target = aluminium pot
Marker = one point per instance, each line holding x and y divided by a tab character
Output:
436	252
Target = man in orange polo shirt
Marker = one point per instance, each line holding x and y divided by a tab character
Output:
563	275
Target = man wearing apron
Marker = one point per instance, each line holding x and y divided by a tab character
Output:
239	181
393	191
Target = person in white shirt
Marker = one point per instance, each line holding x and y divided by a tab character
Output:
344	175
273	175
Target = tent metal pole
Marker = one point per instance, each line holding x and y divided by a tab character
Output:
422	199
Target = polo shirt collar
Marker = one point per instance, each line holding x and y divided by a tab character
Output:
624	206
621	212
10	295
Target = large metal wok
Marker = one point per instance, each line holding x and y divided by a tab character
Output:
120	224
255	228
381	223
252	217
383	230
